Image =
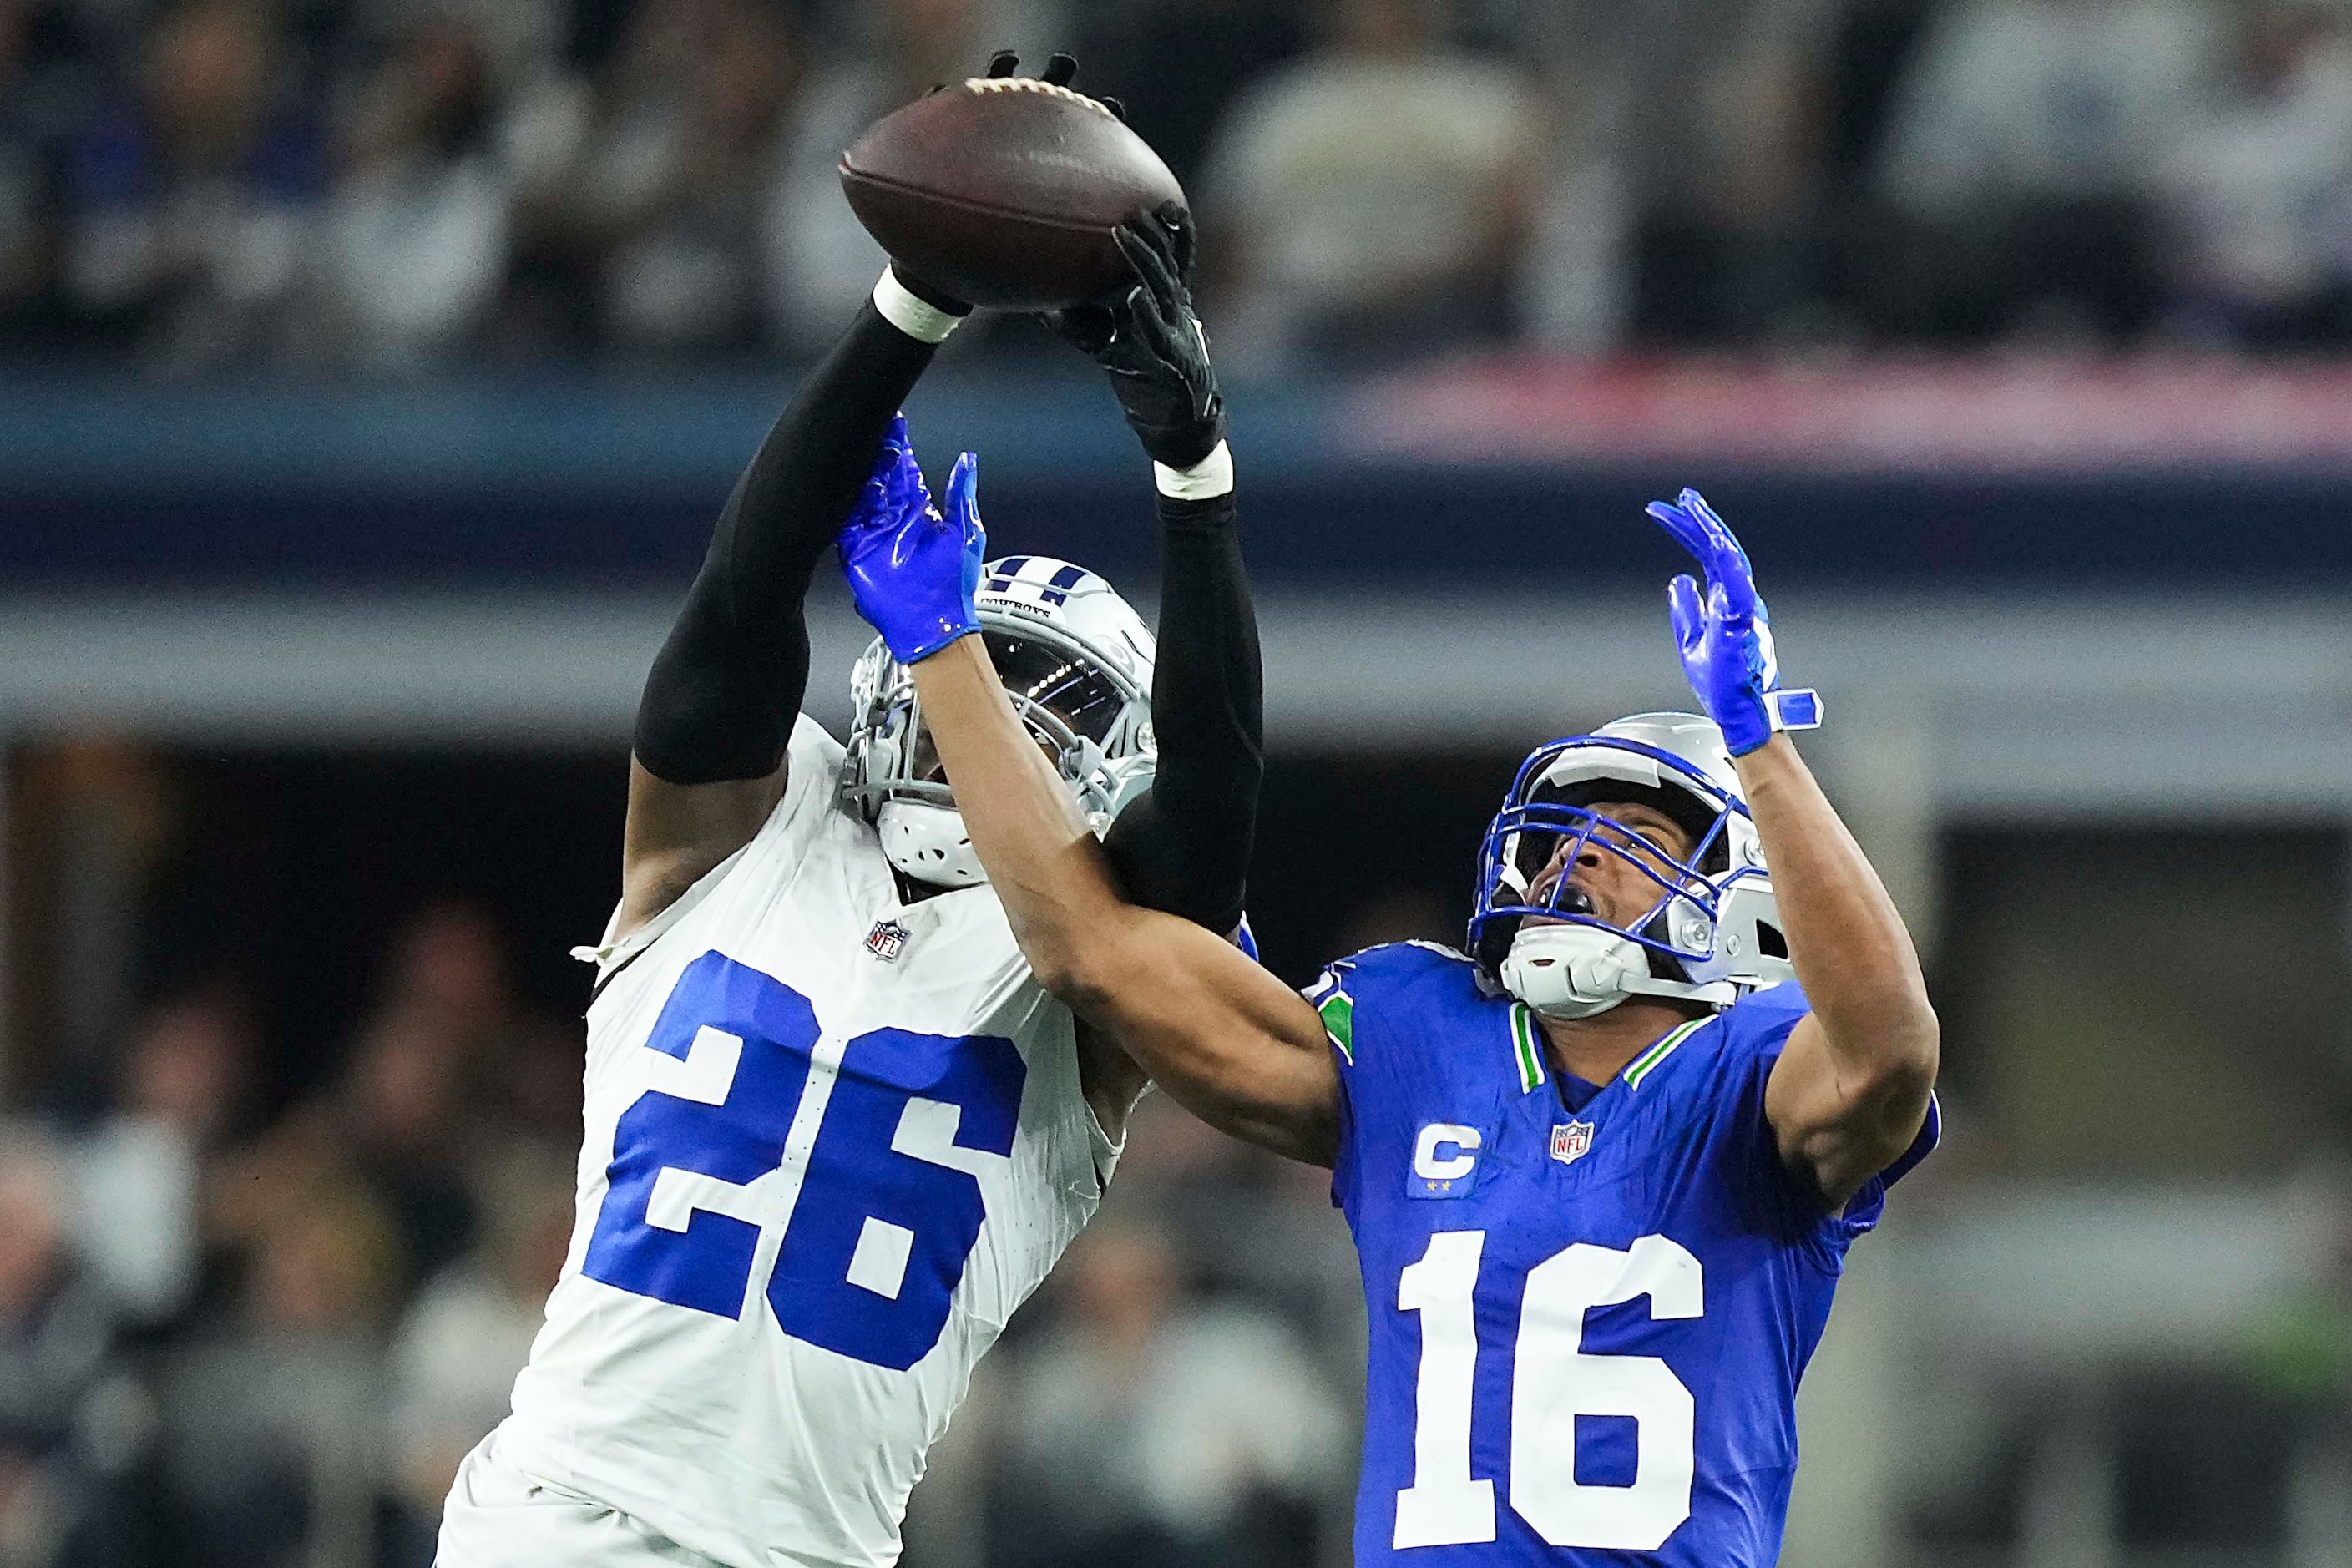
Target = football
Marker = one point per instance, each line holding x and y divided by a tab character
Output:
1004	191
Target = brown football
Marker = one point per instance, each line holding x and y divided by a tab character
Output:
1004	191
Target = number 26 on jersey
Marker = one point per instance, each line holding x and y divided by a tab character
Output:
873	1147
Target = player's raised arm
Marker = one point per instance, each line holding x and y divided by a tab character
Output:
1850	1091
706	765
1229	1041
1184	846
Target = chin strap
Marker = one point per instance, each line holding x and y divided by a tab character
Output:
1714	994
1574	971
928	843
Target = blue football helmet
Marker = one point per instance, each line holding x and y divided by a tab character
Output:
1713	933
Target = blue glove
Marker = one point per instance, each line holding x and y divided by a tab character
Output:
1727	636
912	572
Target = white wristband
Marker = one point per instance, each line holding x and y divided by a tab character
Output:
1210	478
918	318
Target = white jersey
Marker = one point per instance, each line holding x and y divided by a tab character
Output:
833	1140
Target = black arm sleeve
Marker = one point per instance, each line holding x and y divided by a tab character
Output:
727	684
1184	846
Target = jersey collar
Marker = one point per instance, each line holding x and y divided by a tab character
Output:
1641	1067
1527	1050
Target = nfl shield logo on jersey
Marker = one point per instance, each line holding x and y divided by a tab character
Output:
1571	1142
885	941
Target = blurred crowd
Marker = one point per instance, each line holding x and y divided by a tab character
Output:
389	186
236	1333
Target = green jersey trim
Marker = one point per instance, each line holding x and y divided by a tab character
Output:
1641	1065
1527	1048
1338	1011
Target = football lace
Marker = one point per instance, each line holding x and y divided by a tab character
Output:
1031	84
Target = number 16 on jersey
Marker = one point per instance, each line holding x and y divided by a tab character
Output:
1553	1383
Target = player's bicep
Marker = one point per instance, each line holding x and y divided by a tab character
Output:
675	833
1220	1035
1836	1129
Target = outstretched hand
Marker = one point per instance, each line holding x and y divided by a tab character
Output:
1726	634
1152	345
912	572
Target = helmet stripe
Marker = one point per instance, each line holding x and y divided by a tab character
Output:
1056	589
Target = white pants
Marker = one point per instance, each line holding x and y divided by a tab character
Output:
497	1517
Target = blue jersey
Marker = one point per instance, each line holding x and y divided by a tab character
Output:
1588	1323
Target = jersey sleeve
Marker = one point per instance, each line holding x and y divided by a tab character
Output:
1380	1010
1757	1031
1334	1001
1864	1210
813	772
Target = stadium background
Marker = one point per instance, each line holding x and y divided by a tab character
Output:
371	371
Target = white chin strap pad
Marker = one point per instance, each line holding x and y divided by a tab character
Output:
928	844
1572	970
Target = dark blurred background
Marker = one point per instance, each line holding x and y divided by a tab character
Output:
394	187
371	371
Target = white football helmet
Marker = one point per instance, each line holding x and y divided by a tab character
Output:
1075	659
1713	933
